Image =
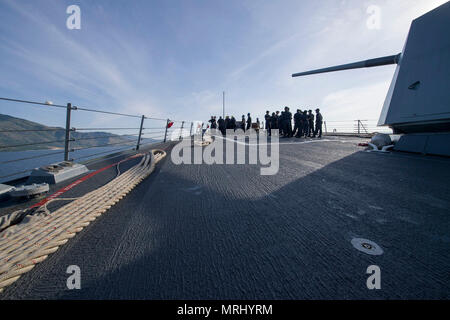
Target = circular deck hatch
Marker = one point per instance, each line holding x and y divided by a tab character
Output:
367	246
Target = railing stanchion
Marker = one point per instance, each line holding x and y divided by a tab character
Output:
181	130
165	133
140	133
325	124
67	138
190	133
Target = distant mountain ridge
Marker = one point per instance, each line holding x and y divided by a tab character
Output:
82	139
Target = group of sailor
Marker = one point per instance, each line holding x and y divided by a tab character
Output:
304	124
231	123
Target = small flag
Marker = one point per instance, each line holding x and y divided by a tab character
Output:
170	124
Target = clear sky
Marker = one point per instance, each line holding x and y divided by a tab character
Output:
174	58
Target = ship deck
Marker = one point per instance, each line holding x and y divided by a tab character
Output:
227	232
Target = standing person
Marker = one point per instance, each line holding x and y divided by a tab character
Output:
243	123
257	124
221	125
319	120
305	123
282	122
277	114
273	122
268	119
213	122
233	123
227	122
301	124
297	124
311	123
249	121
288	122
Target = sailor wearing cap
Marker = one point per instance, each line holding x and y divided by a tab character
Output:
319	120
311	123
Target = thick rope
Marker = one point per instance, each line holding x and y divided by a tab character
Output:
24	245
206	140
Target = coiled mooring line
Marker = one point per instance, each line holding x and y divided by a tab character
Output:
24	245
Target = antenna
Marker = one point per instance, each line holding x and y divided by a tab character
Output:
223	105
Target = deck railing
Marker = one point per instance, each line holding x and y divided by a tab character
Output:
144	130
354	127
148	130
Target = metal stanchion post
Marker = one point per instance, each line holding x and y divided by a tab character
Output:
140	133
67	138
165	133
181	130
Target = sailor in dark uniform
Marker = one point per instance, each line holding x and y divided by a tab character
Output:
279	125
227	122
221	125
311	123
319	121
301	124
281	122
243	123
267	117
273	122
249	121
287	123
305	123
213	122
233	123
297	124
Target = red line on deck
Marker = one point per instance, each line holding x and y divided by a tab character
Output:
77	182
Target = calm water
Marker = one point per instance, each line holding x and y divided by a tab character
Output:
37	161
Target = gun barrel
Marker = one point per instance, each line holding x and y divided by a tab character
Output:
394	59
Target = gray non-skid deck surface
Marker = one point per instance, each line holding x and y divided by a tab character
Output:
226	232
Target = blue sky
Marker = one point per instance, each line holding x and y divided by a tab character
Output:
174	58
